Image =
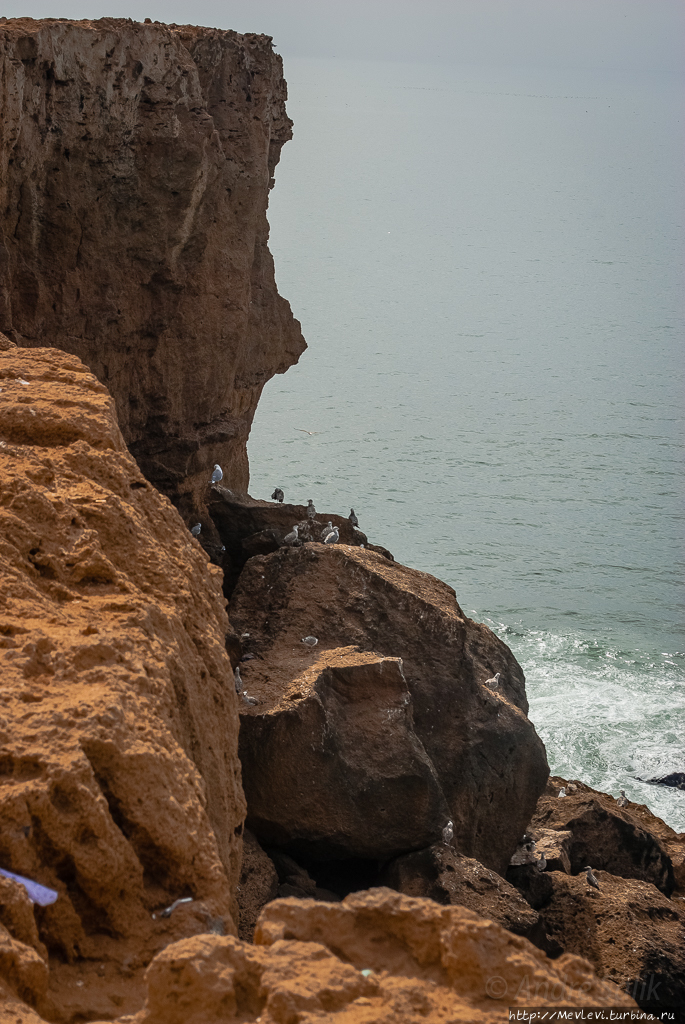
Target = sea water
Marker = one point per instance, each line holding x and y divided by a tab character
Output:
488	267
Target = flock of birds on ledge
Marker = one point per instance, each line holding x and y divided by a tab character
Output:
329	534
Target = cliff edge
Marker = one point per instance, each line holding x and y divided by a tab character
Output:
135	166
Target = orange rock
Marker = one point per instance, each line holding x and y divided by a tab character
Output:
119	777
376	958
135	168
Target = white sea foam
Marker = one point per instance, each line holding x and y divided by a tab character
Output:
608	717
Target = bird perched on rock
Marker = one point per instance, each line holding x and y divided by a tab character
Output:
623	799
591	880
327	529
278	495
310	641
196	530
311	511
218	474
494	682
448	833
238	680
291	538
562	792
352	518
542	863
249	700
332	537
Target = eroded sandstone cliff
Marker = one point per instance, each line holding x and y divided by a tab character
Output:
135	166
119	774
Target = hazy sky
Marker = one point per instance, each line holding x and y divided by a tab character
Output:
627	34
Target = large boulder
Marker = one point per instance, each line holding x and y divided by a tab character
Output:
135	167
335	769
119	726
430	733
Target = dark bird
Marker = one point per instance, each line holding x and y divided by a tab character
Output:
278	495
623	799
591	880
352	518
311	511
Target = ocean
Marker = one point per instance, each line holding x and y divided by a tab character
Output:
488	268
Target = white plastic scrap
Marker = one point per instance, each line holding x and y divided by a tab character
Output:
39	894
169	910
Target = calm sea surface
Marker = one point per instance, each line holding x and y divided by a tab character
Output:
488	267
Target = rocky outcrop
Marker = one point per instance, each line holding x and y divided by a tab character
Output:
604	835
119	776
629	931
349	753
135	165
377	956
439	873
237	527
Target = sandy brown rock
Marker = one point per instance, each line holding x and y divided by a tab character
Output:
487	759
378	957
135	166
119	778
439	873
605	835
629	931
336	769
258	885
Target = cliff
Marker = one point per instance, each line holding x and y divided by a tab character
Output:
135	166
119	773
136	161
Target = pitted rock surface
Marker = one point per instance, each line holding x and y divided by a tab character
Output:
119	775
377	957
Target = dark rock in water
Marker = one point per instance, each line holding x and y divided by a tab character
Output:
604	835
364	755
676	780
